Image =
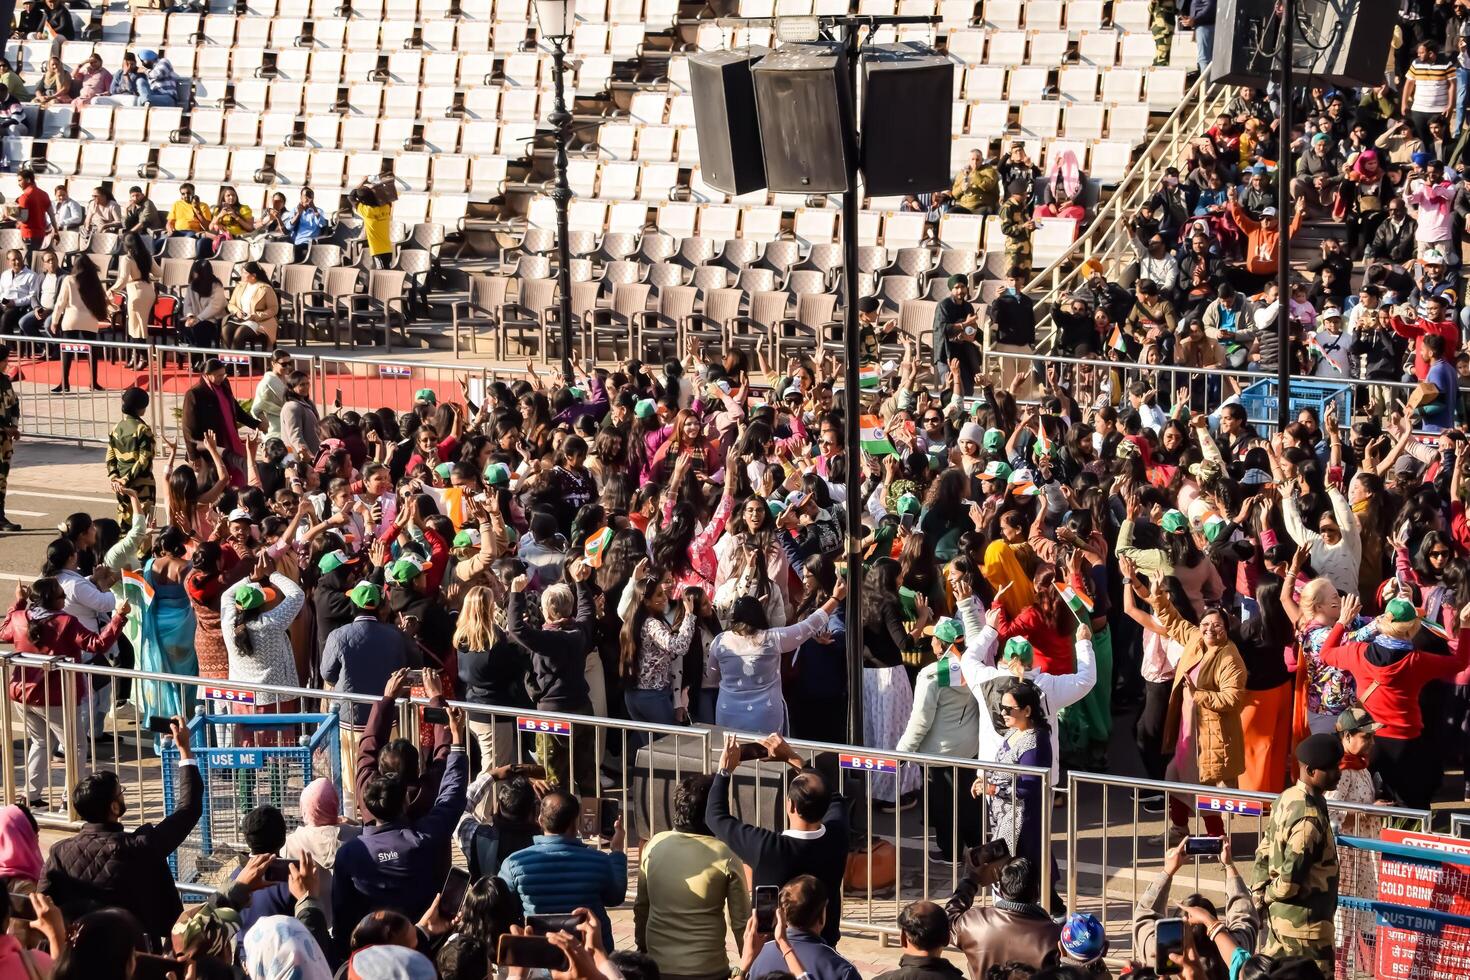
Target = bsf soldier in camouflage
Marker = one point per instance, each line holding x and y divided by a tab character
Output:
1296	864
130	450
1016	225
1161	24
9	433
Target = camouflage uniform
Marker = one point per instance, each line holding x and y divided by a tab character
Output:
9	429
130	462
1161	25
1296	878
1013	219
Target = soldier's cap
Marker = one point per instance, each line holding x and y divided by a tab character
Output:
1321	752
1356	719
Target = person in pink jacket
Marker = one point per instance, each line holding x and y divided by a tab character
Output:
36	624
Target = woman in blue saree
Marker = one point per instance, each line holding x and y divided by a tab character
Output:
166	631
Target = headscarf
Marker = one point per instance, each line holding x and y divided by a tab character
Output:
278	947
1367	157
1064	168
20	851
389	963
1003	568
320	804
208	930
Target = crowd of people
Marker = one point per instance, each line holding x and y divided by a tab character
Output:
1044	558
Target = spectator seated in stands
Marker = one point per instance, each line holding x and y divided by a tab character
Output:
69	213
102	214
272	224
253	310
306	223
92	80
190	217
143	218
19	286
126	83
55	86
976	189
1066	190
11	81
232	219
56	22
13	122
161	86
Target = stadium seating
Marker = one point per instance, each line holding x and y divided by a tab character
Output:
447	97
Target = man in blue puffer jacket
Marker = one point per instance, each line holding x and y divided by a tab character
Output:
559	874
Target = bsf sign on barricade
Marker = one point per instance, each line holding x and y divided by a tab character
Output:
1226	804
271	759
867	763
543	726
1421	947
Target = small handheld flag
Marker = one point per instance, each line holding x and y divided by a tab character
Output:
874	438
1116	341
868	376
1076	601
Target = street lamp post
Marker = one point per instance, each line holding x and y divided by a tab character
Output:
555	18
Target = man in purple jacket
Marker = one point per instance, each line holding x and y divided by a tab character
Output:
393	865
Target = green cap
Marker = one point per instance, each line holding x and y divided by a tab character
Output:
332	561
997	470
468	537
1018	648
366	595
948	631
250	596
1214	527
497	475
776	506
908	504
442	471
994	439
1174	522
645	408
1401	611
408	568
426	395
576	392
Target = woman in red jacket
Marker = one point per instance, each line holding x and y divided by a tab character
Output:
1391	661
37	625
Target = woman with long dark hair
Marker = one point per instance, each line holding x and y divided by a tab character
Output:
1179	555
255	617
202	306
1265	716
300	423
888	696
747	660
686	547
38	624
817	674
80	315
1015	802
651	652
166	634
188	507
135	281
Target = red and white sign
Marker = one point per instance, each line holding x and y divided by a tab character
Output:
392	371
1228	804
543	725
867	763
228	694
1441	952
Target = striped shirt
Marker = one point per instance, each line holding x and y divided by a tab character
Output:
1431	86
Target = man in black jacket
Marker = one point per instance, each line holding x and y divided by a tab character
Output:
103	864
925	930
814	844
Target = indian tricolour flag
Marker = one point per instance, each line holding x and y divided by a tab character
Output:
1116	341
135	583
1437	629
1076	601
874	438
868	376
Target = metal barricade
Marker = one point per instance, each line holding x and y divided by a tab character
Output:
1091	381
85	415
638	764
1117	822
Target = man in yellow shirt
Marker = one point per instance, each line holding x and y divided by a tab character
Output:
977	188
189	218
377	223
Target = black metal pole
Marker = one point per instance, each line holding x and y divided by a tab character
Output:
561	193
852	409
1283	216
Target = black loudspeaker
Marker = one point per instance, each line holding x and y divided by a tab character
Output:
1355	35
725	119
805	112
908	90
1343	41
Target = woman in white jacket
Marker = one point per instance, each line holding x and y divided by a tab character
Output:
255	618
980	667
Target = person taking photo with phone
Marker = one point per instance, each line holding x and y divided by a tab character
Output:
1217	934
